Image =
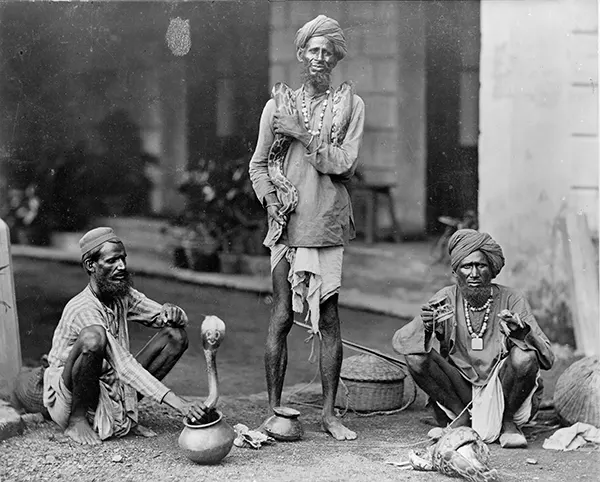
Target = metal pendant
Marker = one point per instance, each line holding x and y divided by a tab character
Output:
477	343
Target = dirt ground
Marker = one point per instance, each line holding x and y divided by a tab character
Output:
43	453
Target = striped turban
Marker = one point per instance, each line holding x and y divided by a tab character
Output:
323	26
466	241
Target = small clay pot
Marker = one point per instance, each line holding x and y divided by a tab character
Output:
208	443
284	425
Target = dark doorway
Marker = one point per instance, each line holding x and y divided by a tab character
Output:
452	49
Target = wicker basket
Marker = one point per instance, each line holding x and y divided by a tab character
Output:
370	384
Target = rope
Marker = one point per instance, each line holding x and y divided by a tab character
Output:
354	346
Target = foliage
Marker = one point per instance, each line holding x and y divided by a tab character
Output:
222	206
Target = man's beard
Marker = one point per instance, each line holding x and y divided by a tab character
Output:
114	289
476	296
319	80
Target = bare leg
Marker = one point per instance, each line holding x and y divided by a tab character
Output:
159	356
331	364
81	376
518	377
163	351
280	324
442	382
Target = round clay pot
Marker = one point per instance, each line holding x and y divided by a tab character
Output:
284	425
209	443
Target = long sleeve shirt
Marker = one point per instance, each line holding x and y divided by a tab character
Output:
454	339
324	216
86	310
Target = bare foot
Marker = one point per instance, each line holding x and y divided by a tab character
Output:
143	431
511	436
81	432
335	428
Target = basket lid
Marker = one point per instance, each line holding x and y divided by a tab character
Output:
369	368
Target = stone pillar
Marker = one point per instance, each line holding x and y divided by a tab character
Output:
173	95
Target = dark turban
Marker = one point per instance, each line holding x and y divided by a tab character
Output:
466	241
323	26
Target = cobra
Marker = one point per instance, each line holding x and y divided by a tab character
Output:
285	102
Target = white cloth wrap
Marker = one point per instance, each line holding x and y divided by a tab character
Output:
315	275
488	407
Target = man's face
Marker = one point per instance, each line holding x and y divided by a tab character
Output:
110	271
474	276
318	57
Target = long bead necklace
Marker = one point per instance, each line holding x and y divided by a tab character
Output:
477	338
305	114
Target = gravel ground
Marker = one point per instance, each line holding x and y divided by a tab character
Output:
44	454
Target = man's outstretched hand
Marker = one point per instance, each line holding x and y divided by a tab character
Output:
512	325
193	411
172	315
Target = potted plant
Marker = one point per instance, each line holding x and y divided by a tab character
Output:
221	206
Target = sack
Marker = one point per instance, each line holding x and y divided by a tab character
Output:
29	388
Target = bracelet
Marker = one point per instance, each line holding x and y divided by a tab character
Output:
272	204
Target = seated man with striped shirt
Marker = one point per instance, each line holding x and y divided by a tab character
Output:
92	383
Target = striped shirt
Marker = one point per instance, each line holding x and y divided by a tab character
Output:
86	310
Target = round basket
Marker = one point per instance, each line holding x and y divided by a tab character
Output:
370	384
577	392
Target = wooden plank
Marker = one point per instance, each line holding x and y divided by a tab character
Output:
10	346
584	270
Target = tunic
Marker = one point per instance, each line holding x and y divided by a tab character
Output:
455	342
122	375
323	217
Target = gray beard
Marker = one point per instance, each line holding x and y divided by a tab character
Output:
320	81
476	297
110	290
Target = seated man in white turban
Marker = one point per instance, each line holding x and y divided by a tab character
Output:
92	383
486	372
316	142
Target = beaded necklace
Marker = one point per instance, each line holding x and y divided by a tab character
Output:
305	114
477	338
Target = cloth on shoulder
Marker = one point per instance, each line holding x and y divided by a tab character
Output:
466	241
323	26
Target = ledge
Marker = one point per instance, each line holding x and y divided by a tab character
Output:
148	265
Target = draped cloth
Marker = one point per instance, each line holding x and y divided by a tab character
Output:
315	275
466	241
323	26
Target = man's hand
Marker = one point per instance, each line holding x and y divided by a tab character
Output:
193	411
172	315
427	317
287	125
273	212
511	324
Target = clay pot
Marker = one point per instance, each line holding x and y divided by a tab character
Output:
209	443
284	425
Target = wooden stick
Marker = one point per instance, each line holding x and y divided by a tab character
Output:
363	349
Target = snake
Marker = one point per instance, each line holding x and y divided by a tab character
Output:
459	452
287	194
212	333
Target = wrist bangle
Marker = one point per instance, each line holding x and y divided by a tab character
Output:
272	204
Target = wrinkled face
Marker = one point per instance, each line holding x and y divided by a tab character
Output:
318	56
474	276
110	271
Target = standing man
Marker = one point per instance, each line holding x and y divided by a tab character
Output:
306	258
491	349
92	383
